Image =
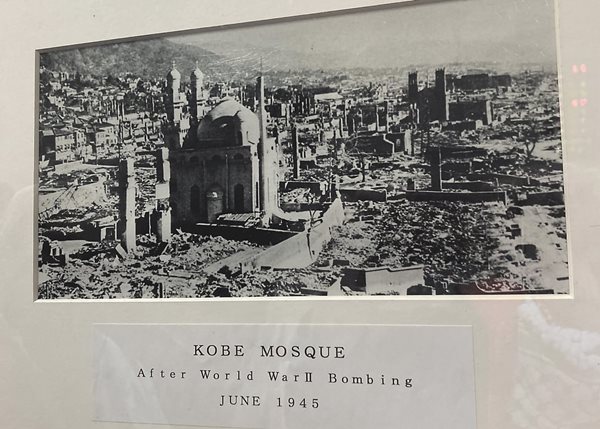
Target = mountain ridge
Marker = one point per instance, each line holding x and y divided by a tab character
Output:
150	59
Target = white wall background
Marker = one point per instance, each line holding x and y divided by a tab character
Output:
537	361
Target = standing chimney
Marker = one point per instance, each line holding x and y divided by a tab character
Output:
127	205
436	169
387	117
295	154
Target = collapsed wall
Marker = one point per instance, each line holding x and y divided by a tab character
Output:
465	197
73	198
302	249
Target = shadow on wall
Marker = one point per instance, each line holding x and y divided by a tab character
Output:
302	249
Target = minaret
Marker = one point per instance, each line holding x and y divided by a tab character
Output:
197	97
263	149
177	126
260	94
174	103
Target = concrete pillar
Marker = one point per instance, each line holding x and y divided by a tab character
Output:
436	169
350	122
163	165
127	205
295	154
334	187
407	142
334	143
228	205
163	224
163	195
363	169
387	117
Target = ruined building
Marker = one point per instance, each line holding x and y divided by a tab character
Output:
478	81
433	103
430	103
472	109
221	162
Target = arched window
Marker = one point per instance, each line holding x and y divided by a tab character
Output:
238	198
194	162
238	157
216	159
195	200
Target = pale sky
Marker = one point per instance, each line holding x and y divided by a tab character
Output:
447	31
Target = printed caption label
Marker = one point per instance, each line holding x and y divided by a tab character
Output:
285	376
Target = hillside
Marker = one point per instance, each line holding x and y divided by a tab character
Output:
145	58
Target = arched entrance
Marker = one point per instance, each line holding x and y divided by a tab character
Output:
214	203
238	198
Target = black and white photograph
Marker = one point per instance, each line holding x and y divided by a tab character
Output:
409	149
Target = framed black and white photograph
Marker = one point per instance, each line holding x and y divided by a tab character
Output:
267	214
417	153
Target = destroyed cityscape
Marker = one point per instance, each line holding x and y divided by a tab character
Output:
170	169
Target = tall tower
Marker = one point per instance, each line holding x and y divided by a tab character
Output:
262	149
441	100
266	156
173	99
177	126
196	96
413	87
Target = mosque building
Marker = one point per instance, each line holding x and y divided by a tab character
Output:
222	160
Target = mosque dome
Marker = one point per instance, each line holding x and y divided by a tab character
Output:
229	124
